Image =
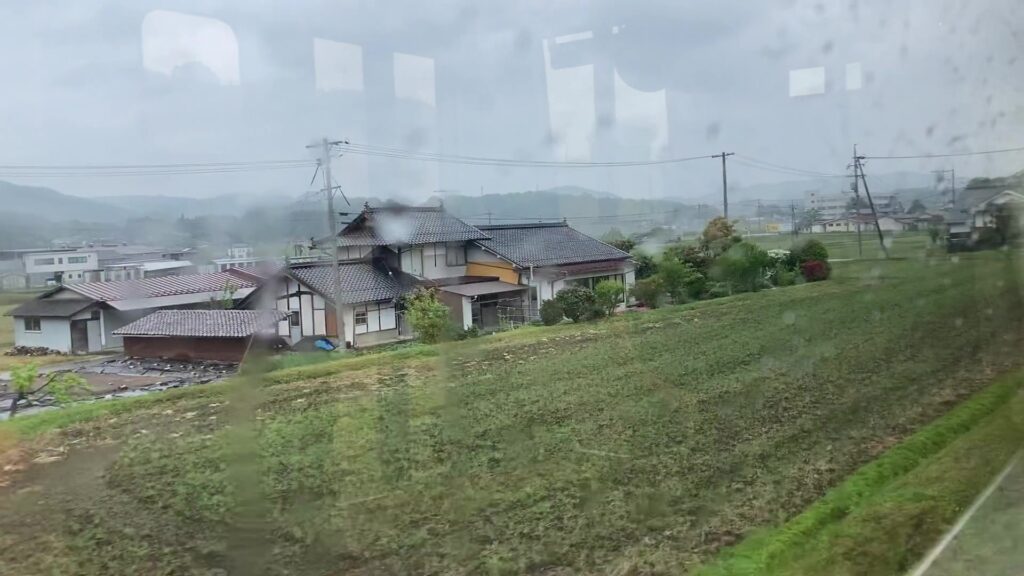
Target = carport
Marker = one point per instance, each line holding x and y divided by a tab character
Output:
486	305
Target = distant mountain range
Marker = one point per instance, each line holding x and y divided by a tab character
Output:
33	215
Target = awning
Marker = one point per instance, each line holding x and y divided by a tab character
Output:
481	288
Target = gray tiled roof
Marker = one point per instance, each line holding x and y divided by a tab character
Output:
360	281
203	323
406	225
546	245
163	286
51	307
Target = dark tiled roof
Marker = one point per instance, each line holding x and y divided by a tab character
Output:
162	286
546	245
203	323
406	225
51	307
360	281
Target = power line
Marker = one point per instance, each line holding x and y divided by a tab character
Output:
950	155
398	153
772	167
115	170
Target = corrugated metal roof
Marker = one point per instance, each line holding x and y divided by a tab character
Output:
162	286
51	307
481	288
203	323
360	281
546	244
406	225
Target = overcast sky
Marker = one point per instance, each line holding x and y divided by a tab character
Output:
789	82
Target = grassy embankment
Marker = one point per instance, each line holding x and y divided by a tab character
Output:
642	444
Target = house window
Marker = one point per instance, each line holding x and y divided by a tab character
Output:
455	254
294	320
43	261
77	259
33	324
60	260
375	318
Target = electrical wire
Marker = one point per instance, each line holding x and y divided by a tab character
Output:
950	155
772	167
402	154
115	170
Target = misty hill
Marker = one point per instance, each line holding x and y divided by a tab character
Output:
174	206
881	183
36	201
590	211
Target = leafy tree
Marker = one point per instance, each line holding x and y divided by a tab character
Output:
649	291
809	249
624	244
54	391
742	266
577	302
645	265
551	312
719	235
609	295
808	218
428	316
718	228
856	203
692	256
226	301
917	207
681	281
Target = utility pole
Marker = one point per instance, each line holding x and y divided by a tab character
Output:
488	217
324	162
856	196
725	182
792	219
952	184
858	167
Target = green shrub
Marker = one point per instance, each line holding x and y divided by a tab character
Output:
551	312
577	302
809	249
649	291
644	266
681	281
427	315
815	270
742	266
718	290
784	277
458	333
609	295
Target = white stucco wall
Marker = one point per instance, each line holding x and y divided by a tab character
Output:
114	319
429	261
55	334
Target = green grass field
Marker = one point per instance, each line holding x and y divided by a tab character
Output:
844	245
645	444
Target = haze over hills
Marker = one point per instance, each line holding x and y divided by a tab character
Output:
35	216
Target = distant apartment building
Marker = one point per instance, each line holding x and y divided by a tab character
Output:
828	206
100	263
60	267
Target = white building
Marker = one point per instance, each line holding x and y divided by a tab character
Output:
82	317
828	206
61	267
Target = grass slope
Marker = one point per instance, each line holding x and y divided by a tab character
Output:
884	517
643	444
